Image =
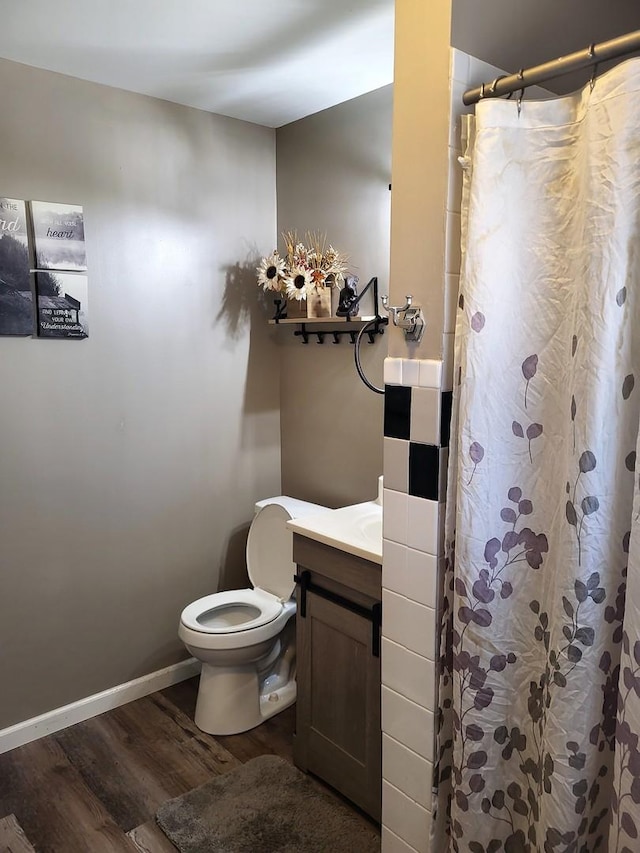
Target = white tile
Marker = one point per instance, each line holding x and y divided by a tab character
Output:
422	525
481	72
451	296
410	371
448	346
425	415
396	464
454	194
430	373
442	519
393	371
458	108
407	771
409	674
407	722
394	516
410	624
455	126
407	820
452	250
440	601
411	573
459	65
391	843
394	564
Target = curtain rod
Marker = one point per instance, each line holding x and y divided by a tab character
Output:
592	55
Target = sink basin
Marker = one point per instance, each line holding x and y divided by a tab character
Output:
355	529
370	527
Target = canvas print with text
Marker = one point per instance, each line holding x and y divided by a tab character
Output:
16	301
58	232
62	305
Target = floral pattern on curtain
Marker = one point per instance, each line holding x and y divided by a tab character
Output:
537	744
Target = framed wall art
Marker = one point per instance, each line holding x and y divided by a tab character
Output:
62	305
16	299
58	234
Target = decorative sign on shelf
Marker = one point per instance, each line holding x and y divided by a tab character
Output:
53	241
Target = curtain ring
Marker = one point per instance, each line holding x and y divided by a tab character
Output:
481	96
591	52
494	83
520	76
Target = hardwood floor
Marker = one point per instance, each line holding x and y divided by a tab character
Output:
95	787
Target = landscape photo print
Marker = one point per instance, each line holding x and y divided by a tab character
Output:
58	232
16	300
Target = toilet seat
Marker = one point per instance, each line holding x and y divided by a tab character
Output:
258	631
231	612
269	551
243	618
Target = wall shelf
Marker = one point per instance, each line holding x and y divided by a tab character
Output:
334	327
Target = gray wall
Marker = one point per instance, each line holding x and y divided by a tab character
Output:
333	175
513	34
129	462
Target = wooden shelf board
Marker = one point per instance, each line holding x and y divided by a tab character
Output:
314	321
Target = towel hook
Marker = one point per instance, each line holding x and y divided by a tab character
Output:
407	317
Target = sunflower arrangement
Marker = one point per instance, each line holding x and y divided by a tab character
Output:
305	269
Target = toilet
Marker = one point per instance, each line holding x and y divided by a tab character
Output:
245	638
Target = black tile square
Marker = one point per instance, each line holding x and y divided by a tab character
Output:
424	462
446	401
397	411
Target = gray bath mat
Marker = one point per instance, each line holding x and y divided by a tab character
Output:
264	806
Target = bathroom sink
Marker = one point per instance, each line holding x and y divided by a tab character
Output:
355	529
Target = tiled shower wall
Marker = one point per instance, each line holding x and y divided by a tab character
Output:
416	429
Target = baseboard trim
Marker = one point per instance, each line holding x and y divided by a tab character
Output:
91	706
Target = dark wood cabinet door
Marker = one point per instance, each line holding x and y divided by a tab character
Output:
338	731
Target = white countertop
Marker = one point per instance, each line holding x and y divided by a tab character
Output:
355	529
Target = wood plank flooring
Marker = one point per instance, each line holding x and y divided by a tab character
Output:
95	787
12	838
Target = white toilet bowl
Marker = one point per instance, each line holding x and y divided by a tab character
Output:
246	638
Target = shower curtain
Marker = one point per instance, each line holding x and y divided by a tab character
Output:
537	743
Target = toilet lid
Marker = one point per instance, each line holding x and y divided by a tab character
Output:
270	552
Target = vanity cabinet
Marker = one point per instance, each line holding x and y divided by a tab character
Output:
338	730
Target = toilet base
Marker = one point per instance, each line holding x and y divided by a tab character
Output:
230	702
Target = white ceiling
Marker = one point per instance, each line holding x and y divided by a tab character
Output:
265	62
